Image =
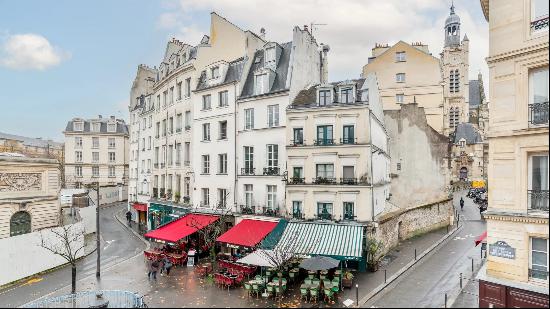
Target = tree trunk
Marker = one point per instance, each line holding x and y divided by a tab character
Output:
73	279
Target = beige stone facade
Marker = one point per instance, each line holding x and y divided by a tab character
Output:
518	143
29	190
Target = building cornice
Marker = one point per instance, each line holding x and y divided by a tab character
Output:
516	217
518	52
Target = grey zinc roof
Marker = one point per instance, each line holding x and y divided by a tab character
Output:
475	94
234	72
281	72
121	127
30	141
309	96
468	132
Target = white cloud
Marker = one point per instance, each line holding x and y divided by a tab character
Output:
353	26
30	52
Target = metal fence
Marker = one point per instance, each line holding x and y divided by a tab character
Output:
91	299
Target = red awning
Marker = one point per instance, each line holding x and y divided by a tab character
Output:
247	233
481	238
176	230
140	207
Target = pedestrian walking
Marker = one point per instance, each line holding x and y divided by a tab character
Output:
461	204
129	217
167	265
161	265
154	269
149	266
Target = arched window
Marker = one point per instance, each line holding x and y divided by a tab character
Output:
20	223
463	173
454	30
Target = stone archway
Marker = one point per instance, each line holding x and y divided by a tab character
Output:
463	173
20	223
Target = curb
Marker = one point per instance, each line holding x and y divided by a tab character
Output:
147	244
454	296
405	268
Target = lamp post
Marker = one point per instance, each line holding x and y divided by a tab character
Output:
98	248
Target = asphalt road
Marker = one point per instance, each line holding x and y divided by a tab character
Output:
117	245
425	286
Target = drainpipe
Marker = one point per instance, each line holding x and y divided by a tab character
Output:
235	147
371	168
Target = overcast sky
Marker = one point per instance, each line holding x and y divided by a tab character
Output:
62	59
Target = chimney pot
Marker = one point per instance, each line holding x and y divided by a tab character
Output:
99	116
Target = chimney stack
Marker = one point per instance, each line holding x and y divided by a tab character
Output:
324	63
99	116
305	28
262	33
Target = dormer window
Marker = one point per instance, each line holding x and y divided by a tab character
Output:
365	96
78	126
346	95
270	55
324	97
462	143
260	84
111	127
215	72
96	127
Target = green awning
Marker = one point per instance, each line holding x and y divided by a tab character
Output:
336	240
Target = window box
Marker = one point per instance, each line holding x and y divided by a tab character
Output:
271	171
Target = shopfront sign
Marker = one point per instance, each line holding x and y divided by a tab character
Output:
503	250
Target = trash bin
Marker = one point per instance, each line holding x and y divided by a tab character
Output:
191	258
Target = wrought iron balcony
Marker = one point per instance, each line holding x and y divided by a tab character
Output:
348	181
161	192
155	192
296	180
324	181
298	215
295	143
178	130
187	128
178	163
186	163
348	141
156	165
348	216
324	142
204	204
538	114
540	23
538	274
247	210
538	199
324	216
271	171
271	212
248	171
221	205
162	165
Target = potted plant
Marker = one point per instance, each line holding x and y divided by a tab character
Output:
177	197
347	280
373	254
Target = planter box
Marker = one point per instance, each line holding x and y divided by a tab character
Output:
347	283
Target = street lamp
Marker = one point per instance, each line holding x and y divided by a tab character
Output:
98	249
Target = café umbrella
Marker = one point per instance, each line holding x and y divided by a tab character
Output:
319	263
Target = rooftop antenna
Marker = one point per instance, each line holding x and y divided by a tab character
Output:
313	24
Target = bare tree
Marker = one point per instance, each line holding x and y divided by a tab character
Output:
211	232
67	242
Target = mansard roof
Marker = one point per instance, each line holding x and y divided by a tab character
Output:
121	127
309	96
468	132
233	74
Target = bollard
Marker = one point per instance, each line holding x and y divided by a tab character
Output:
415	254
385	276
357	294
472	264
445	300
460	280
447	229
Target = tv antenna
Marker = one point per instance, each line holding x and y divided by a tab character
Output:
313	24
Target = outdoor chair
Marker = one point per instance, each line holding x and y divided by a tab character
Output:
270	290
258	277
315	281
268	273
336	282
308	281
278	292
326	282
314	295
304	293
329	295
248	289
292	276
255	290
322	277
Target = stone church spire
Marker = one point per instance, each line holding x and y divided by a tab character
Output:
452	29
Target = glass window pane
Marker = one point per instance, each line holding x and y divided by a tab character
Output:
539	258
540	244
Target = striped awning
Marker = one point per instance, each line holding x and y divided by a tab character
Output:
335	240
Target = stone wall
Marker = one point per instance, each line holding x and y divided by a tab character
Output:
400	225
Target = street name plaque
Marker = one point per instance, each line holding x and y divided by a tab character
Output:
503	250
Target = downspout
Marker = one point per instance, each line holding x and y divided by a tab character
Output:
235	147
371	168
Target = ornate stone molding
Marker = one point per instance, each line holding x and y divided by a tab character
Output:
516	218
17	182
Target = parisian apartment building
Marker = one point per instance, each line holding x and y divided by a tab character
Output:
96	151
516	272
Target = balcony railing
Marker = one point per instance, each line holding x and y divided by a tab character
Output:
186	163
324	216
540	23
298	215
295	143
155	192
538	199
156	165
178	130
187	128
221	205
324	142
348	141
247	210
204	204
348	181
272	212
324	181
538	274
538	114
271	171
161	192
162	165
248	171
296	180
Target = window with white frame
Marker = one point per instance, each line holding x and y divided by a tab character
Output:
95	157
205	196
170	155
249	195
538	96
248	160
112	171
269	55
400	77
188	87
400	56
206	102
78	142
111	127
78	126
78	171
325	171
187	120
112	157
164	98
206	131
538	172
178	154
179	122
206	164
324	97
215	72
272	156
538	260
112	143
399	98
95	142
346	95
223	98
179	90
272	197
273	115
96	126
539	15
222	198
260	84
222	163
95	171
223	130
249	119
